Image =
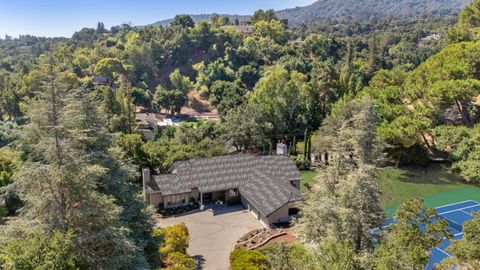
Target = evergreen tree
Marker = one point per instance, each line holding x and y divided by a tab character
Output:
346	207
71	184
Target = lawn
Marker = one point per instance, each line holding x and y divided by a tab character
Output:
435	184
308	177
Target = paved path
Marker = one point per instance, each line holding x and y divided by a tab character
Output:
214	232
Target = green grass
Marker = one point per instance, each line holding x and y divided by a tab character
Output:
435	184
308	177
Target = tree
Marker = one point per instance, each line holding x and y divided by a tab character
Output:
247	128
248	75
8	162
84	190
466	251
109	67
321	47
406	245
183	21
9	132
100	29
131	145
284	97
39	250
442	94
462	145
346	207
215	71
116	107
9	96
325	83
202	36
465	29
284	256
174	99
226	95
332	254
274	30
263	15
141	97
243	259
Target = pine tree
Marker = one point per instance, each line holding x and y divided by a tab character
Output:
71	184
346	207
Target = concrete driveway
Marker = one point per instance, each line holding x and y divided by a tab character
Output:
213	233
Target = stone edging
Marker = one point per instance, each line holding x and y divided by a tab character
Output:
268	239
263	242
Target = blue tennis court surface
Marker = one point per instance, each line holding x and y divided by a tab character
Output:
456	215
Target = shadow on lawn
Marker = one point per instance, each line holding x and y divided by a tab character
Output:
434	174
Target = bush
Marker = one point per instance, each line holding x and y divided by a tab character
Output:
302	164
180	261
3	211
39	250
172	240
12	201
244	259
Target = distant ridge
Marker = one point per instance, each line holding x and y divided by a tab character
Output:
205	17
365	10
353	11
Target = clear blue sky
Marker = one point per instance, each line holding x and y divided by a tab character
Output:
64	17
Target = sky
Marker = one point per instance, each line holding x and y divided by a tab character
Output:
54	18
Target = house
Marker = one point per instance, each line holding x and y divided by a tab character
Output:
100	80
433	37
145	123
268	186
245	29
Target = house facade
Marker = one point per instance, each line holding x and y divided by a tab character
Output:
244	29
268	186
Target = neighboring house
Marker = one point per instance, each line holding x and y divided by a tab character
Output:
245	29
433	37
100	80
146	122
268	186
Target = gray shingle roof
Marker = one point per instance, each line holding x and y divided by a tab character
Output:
263	180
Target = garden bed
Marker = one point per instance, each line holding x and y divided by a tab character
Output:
171	212
258	238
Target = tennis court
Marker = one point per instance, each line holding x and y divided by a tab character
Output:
456	215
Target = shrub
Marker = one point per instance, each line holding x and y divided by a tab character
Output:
301	163
3	211
244	259
173	239
180	261
12	201
39	250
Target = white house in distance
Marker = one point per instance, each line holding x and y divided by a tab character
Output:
244	29
268	186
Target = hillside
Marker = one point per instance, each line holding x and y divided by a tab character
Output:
204	17
361	10
353	10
